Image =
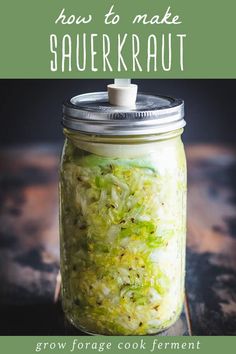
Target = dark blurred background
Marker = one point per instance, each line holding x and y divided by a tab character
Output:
30	110
30	115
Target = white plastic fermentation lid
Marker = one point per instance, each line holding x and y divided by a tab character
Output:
93	113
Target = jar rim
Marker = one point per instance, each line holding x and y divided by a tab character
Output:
92	113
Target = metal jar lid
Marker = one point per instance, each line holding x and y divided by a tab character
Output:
92	113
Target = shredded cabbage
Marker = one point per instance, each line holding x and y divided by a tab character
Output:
122	241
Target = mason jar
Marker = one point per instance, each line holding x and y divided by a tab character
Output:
123	214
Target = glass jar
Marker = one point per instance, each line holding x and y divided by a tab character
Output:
122	221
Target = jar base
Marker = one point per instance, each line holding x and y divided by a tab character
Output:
91	333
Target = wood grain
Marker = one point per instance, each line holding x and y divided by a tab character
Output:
29	250
211	253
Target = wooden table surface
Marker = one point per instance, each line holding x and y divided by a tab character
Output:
29	244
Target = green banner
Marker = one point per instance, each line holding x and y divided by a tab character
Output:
115	345
118	38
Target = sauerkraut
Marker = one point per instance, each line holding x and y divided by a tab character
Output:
123	239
